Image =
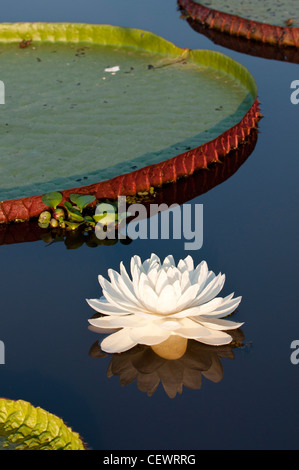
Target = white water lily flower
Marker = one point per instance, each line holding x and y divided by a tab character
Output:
160	300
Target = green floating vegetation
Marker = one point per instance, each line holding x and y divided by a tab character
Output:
25	427
73	215
52	199
81	200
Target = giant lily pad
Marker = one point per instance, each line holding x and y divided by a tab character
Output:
104	110
25	427
269	21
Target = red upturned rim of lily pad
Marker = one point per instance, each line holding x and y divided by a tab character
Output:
180	192
153	175
237	26
142	180
246	46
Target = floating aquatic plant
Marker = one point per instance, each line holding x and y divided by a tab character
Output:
25	427
81	200
52	199
162	305
73	214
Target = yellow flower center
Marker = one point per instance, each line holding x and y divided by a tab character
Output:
172	348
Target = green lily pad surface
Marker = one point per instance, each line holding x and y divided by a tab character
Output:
25	427
274	12
68	122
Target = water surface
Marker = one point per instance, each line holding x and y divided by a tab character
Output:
250	234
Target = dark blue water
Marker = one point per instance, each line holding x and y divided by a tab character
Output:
250	233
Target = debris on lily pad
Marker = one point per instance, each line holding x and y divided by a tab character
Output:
112	69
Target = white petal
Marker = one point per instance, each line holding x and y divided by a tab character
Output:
135	273
211	290
150	334
199	310
171	325
186	264
129	283
162	281
124	272
189	263
110	288
124	288
149	298
187	297
102	306
191	329
182	266
200	276
185	281
118	342
227	307
151	263
145	294
216	324
167	300
118	321
136	266
135	280
210	306
217	338
102	331
200	270
152	275
173	274
177	290
150	316
168	261
114	297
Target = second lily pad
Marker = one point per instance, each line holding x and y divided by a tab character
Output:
268	21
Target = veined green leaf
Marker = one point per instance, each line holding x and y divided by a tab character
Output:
74	214
25	427
52	199
81	200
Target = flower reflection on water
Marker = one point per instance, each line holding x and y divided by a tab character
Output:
142	364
